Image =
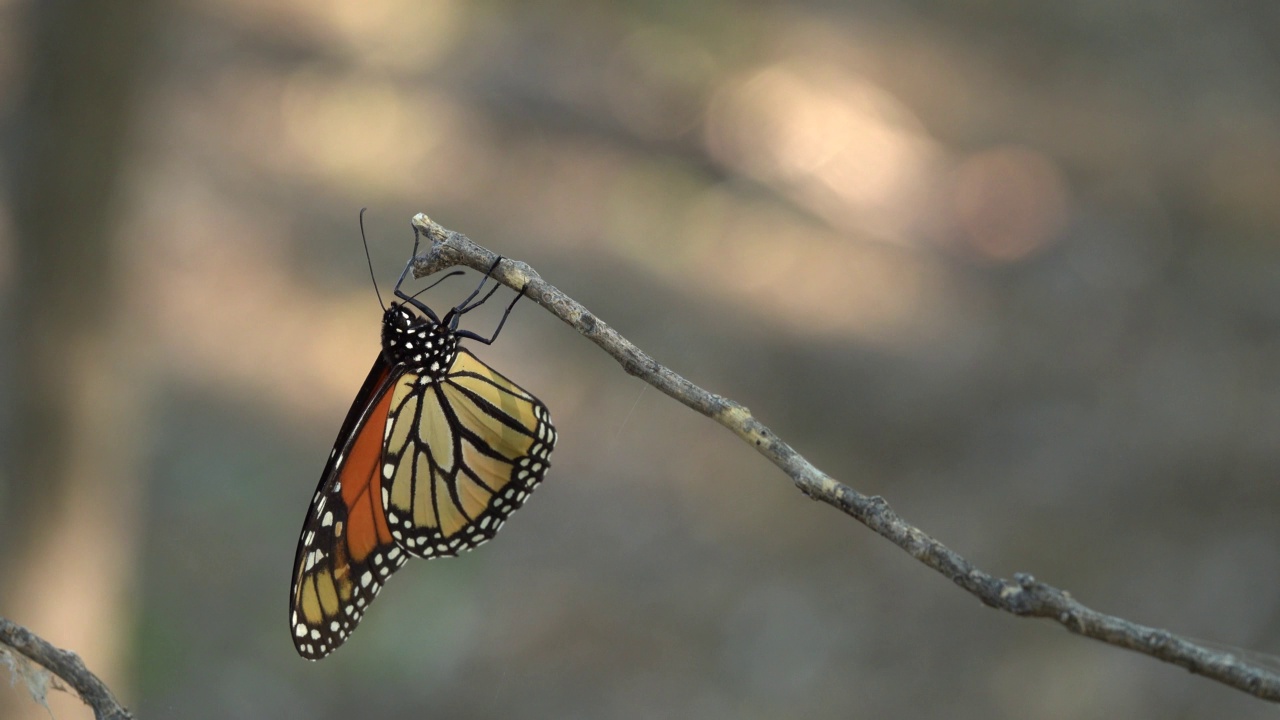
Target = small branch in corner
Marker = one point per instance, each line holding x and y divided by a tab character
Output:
65	665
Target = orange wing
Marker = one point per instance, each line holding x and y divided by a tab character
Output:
346	551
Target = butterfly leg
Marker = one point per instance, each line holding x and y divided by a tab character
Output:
462	307
503	321
413	299
451	318
417	237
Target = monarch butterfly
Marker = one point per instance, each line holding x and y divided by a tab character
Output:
437	451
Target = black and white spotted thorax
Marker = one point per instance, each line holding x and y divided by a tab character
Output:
418	342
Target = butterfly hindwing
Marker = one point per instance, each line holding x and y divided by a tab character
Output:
462	454
346	552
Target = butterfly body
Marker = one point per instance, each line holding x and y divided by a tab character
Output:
422	344
436	452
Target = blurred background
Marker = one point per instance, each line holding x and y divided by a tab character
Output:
1014	266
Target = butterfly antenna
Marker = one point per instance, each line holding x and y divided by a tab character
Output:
370	261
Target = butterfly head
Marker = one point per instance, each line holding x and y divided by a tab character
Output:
422	343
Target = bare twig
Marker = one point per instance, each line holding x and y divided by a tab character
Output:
66	665
1022	596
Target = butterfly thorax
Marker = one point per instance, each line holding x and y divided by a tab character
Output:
420	343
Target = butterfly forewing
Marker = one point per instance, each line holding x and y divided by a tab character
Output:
346	551
462	454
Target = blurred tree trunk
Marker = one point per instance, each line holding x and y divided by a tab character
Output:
69	522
